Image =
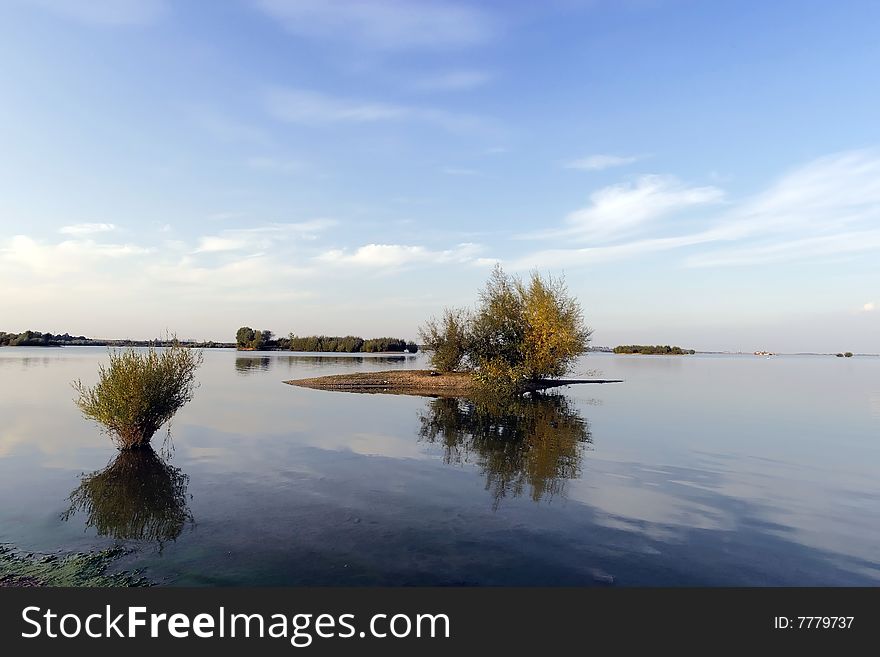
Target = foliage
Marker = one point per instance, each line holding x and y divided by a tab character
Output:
139	391
519	331
379	345
848	354
38	339
248	338
519	442
244	337
137	496
662	350
446	339
349	344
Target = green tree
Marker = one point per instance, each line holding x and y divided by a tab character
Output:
244	337
446	339
519	331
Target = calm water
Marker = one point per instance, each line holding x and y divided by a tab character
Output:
699	470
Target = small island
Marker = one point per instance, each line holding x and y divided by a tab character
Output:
522	337
248	339
652	350
426	383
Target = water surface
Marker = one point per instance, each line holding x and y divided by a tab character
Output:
698	470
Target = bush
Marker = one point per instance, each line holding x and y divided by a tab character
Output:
446	339
139	392
520	331
848	354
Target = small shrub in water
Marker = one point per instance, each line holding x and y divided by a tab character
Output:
139	391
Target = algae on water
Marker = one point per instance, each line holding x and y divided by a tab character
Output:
77	569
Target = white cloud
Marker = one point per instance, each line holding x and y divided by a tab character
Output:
600	162
453	81
793	249
594	254
869	307
384	24
69	256
86	229
620	209
398	255
214	244
824	195
314	108
828	207
107	12
262	237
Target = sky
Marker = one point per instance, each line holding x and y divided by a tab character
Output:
702	173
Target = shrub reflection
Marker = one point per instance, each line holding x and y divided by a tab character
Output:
137	496
520	443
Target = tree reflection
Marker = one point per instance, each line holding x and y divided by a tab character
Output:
530	442
137	496
250	364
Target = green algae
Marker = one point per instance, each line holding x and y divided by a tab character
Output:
78	569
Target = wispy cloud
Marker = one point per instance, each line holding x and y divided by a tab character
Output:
600	162
619	210
563	257
822	246
309	107
384	24
107	12
453	81
261	238
387	256
871	306
828	207
86	229
69	256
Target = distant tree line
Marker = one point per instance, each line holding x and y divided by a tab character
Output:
655	349
38	339
247	338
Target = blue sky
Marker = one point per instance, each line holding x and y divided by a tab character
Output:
703	173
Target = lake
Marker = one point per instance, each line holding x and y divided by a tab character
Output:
706	470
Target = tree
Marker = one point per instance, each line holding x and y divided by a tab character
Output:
520	331
446	339
244	337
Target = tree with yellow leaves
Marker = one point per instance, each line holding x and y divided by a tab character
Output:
519	332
